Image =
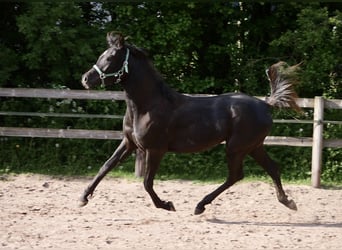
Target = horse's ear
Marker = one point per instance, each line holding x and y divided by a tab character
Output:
115	39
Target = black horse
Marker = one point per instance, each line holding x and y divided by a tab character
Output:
159	119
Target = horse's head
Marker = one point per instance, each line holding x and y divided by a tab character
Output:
112	64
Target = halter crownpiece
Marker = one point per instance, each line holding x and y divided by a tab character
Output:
118	74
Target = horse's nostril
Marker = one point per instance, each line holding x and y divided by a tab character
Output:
85	79
84	82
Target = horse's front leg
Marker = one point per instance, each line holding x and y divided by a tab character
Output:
121	153
153	158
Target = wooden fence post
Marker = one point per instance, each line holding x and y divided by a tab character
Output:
140	162
317	142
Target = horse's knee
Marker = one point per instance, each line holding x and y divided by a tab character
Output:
235	177
240	176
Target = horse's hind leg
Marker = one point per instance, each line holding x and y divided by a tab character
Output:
235	160
271	167
121	153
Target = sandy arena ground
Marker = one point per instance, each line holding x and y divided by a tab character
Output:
41	212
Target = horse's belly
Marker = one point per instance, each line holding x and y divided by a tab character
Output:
187	143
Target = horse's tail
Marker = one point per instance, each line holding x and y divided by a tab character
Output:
282	79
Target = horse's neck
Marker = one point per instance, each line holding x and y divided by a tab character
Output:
145	92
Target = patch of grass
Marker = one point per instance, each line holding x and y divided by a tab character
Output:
57	157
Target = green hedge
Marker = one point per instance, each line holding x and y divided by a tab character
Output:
84	157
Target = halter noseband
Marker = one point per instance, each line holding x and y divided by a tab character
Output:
118	74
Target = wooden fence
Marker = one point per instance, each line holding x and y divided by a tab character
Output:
316	141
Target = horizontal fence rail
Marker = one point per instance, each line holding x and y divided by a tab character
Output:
120	96
118	135
63	94
63	115
316	142
61	133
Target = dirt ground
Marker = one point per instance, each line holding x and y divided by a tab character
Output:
41	212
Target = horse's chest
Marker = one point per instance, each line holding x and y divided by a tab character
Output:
148	131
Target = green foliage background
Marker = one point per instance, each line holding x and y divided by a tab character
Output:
199	47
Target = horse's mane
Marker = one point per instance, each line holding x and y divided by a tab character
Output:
138	52
141	53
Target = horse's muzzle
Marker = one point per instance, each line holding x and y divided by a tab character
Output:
85	81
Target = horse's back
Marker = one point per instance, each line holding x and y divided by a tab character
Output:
202	122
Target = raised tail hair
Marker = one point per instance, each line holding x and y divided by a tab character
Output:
282	79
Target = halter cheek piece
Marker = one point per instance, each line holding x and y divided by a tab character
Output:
118	74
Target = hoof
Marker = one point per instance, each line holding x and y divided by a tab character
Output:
83	202
171	207
291	205
199	210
